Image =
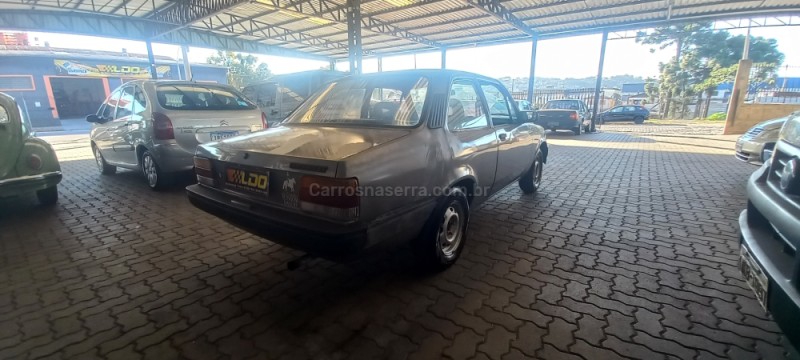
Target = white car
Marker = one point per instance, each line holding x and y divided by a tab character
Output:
155	126
756	145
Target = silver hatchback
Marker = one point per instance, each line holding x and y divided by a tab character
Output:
155	126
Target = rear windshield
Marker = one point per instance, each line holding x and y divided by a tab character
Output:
791	130
562	105
387	100
201	97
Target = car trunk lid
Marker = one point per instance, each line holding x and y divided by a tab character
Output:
194	127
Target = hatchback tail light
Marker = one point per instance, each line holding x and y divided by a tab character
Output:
330	197
264	122
573	116
162	126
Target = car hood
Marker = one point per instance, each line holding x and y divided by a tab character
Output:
305	141
772	124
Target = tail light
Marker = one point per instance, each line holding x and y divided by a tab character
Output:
573	116
204	171
162	127
330	197
264	122
35	162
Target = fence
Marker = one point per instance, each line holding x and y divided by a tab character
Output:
774	96
542	96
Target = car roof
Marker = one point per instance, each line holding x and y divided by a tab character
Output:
438	74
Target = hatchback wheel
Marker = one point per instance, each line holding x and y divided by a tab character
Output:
102	165
443	238
532	179
638	120
156	179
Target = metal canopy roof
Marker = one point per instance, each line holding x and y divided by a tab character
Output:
318	28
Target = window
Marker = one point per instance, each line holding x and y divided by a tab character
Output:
16	83
125	103
499	105
384	100
139	101
4	119
630	108
464	109
563	105
110	107
617	109
201	97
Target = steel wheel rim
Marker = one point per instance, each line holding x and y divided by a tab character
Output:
450	230
98	158
537	172
150	170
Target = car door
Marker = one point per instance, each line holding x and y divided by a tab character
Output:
101	132
615	114
10	135
514	136
629	113
474	144
130	115
118	128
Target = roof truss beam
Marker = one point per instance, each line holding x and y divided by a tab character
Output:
496	9
187	12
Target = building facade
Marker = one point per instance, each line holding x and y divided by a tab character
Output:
57	84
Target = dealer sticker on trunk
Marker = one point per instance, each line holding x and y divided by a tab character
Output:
247	180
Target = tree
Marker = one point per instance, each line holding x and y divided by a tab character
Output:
242	69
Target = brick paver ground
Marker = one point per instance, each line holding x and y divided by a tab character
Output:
629	251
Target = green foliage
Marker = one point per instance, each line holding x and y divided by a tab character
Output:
704	59
242	69
717	116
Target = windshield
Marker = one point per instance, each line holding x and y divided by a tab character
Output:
562	105
791	130
388	100
200	97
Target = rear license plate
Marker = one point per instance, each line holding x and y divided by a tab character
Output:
219	135
247	180
553	123
754	276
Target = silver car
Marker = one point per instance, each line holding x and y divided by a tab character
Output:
756	145
385	158
155	126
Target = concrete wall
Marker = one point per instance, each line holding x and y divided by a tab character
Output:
743	116
750	114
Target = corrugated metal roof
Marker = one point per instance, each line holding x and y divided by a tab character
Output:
392	26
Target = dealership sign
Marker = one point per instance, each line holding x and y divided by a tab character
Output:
71	67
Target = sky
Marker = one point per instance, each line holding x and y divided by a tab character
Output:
574	57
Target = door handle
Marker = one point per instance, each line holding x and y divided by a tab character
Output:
503	137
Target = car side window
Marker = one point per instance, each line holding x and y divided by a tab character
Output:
139	102
616	109
464	108
499	105
630	108
125	103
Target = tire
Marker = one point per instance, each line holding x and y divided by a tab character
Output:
49	196
638	120
444	235
532	179
102	165
578	130
156	179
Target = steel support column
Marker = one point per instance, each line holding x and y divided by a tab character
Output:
380	63
444	58
599	82
187	68
151	59
532	76
332	64
354	35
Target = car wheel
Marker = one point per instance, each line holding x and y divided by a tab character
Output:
445	233
638	120
578	130
48	196
156	178
532	179
102	165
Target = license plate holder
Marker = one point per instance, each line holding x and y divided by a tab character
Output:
754	276
248	180
219	135
553	124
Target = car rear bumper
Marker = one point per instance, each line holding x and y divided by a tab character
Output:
171	157
24	184
329	240
558	124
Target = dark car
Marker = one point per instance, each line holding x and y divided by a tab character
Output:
564	114
396	157
637	114
769	258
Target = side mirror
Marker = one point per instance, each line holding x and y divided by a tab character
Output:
93	118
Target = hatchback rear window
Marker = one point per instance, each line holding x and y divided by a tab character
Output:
200	97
